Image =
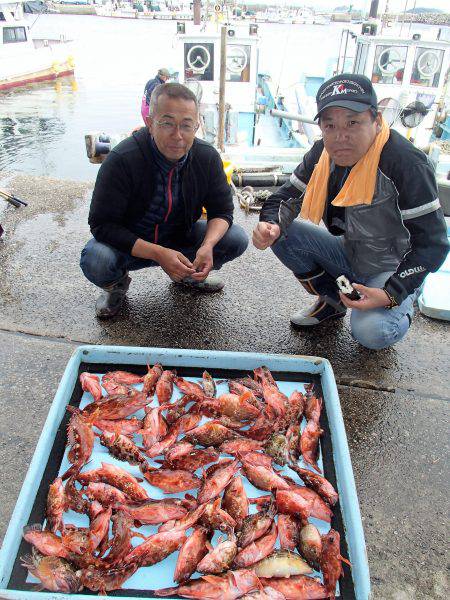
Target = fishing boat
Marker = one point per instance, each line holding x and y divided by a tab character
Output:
118	10
141	10
24	59
410	78
233	113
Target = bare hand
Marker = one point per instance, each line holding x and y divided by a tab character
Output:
203	263
371	298
265	234
175	264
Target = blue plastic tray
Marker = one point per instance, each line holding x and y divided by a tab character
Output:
293	371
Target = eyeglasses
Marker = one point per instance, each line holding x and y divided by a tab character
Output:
170	127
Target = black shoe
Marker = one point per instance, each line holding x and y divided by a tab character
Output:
319	312
111	299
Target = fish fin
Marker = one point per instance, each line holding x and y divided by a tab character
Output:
71	472
347	562
34	527
214	579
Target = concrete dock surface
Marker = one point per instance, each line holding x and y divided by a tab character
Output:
395	401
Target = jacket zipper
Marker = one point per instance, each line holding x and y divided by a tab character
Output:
169	200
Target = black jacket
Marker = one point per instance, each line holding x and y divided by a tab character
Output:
125	185
403	230
150	86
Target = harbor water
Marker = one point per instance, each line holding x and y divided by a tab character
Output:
42	126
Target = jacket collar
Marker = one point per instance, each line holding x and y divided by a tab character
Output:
161	161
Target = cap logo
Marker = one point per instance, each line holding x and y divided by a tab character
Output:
345	86
339	89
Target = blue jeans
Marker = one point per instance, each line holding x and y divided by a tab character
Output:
308	247
102	264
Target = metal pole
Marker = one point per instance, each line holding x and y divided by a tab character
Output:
339	55
197	6
385	17
223	69
404	14
373	9
345	52
410	23
292	116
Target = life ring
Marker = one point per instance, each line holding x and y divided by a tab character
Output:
204	64
233	65
390	67
425	67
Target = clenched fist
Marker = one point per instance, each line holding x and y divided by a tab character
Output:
265	234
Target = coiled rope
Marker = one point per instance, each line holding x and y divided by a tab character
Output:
249	199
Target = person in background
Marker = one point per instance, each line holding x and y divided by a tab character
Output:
384	227
162	76
147	205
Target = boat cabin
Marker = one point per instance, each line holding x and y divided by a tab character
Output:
14	31
409	78
200	50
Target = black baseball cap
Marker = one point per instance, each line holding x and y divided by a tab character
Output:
347	90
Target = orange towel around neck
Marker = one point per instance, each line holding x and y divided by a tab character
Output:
358	188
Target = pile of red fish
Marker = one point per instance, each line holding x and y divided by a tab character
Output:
248	430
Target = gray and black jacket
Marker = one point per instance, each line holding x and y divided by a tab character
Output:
402	230
124	194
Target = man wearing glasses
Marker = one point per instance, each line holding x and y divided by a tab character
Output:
148	200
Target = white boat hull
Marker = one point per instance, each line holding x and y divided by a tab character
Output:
33	65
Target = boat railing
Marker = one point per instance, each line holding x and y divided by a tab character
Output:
292	116
47	42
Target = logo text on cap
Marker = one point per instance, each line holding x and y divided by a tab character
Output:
345	86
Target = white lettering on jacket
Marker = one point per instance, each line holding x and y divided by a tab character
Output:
412	271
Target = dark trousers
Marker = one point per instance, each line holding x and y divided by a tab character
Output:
102	264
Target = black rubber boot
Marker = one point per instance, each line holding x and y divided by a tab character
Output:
327	306
111	299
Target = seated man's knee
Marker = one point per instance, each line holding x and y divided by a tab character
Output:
290	251
98	262
237	242
369	329
283	247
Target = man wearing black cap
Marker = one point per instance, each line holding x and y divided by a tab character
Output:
162	76
384	228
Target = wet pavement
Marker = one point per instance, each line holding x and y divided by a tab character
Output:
395	402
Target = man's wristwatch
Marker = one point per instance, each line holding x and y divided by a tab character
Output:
392	301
